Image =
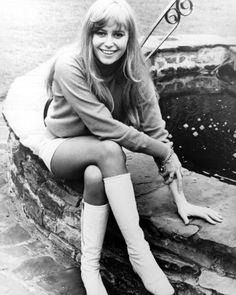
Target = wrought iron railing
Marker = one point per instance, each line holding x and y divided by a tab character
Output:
172	15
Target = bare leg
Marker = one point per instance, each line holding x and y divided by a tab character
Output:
74	155
94	192
94	159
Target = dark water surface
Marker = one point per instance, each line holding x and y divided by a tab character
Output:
203	129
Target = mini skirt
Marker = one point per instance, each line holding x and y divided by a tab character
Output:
48	146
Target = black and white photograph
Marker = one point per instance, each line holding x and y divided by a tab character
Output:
117	147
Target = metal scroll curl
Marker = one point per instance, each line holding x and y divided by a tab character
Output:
184	7
172	15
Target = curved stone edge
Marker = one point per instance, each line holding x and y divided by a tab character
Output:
185	57
189	41
51	204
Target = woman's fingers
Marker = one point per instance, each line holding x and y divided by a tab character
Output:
184	218
208	214
214	215
209	219
202	213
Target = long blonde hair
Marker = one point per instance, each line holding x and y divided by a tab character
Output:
134	75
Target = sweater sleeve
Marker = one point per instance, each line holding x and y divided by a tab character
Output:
151	121
70	78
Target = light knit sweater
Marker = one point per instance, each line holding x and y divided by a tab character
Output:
75	111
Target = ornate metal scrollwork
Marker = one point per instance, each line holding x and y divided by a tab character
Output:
184	7
172	15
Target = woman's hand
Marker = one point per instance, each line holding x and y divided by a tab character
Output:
186	210
171	169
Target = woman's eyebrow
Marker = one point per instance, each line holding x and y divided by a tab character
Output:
119	30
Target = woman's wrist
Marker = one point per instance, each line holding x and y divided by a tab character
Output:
161	162
168	157
179	198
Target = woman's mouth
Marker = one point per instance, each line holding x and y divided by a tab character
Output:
107	51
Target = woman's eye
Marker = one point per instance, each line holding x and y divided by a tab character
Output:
100	33
118	34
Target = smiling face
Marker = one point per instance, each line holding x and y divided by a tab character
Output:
110	42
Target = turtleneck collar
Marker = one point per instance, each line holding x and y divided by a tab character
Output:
107	71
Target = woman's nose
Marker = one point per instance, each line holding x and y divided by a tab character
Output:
109	41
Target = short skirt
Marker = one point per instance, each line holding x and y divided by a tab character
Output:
48	146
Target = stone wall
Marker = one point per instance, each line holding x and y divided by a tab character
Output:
169	69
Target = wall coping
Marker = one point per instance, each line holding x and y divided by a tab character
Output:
190	40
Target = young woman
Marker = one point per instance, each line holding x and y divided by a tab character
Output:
103	100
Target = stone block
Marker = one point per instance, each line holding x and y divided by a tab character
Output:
18	155
71	216
181	58
34	174
219	284
171	59
42	230
68	233
4	210
37	266
215	55
14	235
38	247
173	264
18	182
32	205
49	221
187	288
63	245
10	286
8	260
121	276
68	191
64	282
50	200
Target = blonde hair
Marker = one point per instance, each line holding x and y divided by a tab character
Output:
134	74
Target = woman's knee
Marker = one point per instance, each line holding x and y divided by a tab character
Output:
113	151
94	192
111	159
93	176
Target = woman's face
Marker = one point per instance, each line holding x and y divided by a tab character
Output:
110	42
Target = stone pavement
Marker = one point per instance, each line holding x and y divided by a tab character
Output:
29	263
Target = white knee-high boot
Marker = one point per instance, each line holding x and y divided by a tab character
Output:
93	228
120	193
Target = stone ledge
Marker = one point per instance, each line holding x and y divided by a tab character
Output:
190	41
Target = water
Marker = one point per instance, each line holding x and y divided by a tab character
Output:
202	126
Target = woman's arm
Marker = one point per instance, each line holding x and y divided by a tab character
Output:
152	123
186	210
170	168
